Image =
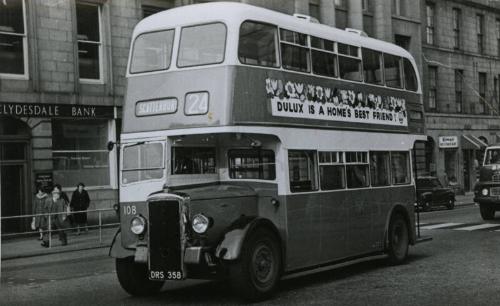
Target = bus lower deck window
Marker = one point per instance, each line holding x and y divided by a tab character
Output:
193	160
252	164
400	168
302	170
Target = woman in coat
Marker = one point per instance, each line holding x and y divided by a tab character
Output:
38	209
80	202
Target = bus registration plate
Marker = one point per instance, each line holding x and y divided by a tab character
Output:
165	275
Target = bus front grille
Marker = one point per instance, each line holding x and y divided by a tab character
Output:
165	249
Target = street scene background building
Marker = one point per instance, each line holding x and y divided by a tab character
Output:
62	68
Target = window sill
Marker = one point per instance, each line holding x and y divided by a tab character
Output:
92	81
21	77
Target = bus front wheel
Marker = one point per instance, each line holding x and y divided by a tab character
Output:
255	274
487	212
133	278
399	239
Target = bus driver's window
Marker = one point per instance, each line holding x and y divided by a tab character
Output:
302	171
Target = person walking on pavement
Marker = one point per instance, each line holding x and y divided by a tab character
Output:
55	207
80	202
38	209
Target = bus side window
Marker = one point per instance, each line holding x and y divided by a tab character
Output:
331	170
349	63
380	168
258	44
410	76
371	66
357	170
324	60
400	168
302	170
392	70
294	51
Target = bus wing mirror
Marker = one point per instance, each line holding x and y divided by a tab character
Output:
111	145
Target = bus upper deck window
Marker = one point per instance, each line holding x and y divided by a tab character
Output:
324	60
349	62
371	66
202	45
410	76
152	51
294	51
392	70
258	44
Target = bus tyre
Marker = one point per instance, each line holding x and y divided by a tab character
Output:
255	274
134	279
451	204
427	206
399	240
487	212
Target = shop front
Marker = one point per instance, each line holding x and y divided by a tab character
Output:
55	144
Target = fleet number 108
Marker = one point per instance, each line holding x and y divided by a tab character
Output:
129	210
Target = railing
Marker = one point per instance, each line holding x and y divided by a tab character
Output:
48	218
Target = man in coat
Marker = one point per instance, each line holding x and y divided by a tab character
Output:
54	206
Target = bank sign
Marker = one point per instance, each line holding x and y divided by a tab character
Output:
56	110
309	101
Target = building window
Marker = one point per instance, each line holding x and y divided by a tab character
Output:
88	18
497	30
480	33
430	23
456	28
13	41
314	9
399	7
340	4
366	5
402	41
432	87
79	152
496	84
458	90
482	93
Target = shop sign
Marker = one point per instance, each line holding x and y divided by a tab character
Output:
310	101
56	110
448	142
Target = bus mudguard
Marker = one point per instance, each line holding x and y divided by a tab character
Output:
231	245
398	209
117	250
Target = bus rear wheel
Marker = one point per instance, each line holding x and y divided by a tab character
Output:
133	277
399	240
255	274
487	212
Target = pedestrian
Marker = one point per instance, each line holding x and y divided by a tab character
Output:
38	207
80	202
56	213
64	196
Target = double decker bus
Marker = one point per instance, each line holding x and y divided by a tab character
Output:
257	146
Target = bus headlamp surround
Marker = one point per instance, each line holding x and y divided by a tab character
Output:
137	225
200	223
484	191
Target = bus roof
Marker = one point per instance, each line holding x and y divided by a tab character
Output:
236	13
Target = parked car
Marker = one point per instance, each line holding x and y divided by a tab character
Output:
431	193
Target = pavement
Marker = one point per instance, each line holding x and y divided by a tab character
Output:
30	246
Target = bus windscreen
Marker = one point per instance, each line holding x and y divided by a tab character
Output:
152	51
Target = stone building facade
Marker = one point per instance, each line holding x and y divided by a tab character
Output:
461	49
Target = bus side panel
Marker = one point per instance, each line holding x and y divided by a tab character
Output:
330	226
252	104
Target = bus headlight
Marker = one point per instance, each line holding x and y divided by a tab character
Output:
200	223
484	191
137	225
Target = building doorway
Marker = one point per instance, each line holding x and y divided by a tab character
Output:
14	170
